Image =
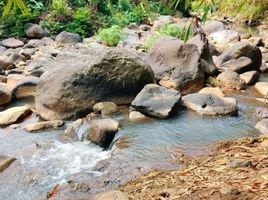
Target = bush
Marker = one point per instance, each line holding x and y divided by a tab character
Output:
111	36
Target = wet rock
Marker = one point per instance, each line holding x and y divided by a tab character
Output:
69	91
224	37
25	87
156	101
240	65
136	116
206	59
213	26
68	38
34	31
14	115
238	163
262	88
111	195
162	20
6	63
250	77
177	65
257	41
231	80
229	190
210	104
212	90
5	162
102	131
13	79
105	108
262	126
242	49
12	43
44	125
5	95
76	131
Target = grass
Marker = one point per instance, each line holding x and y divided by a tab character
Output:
111	36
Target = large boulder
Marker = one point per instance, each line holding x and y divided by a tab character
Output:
34	31
176	65
242	49
231	80
210	104
206	58
102	131
69	91
156	101
68	38
239	65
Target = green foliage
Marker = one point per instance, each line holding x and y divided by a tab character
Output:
111	36
13	5
183	33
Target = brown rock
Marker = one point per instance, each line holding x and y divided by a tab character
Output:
5	162
43	125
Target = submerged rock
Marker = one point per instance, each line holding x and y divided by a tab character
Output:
231	80
102	131
262	126
156	101
177	65
105	108
5	162
113	75
43	125
210	104
13	115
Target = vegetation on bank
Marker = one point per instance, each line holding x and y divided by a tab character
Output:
86	17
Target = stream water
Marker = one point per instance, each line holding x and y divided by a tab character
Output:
43	160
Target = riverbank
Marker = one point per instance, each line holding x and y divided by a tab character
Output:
235	169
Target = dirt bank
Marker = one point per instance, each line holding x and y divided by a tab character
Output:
235	170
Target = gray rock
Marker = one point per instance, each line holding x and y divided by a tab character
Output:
111	195
262	126
136	116
43	125
240	65
210	104
213	26
177	65
242	49
5	95
13	115
231	80
105	108
250	77
12	43
6	63
206	58
5	162
238	163
69	91
69	38
156	101
162	20
224	37
34	31
102	132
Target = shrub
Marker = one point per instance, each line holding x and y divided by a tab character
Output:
111	36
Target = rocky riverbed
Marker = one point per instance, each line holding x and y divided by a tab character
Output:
78	117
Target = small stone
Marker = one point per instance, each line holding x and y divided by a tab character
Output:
5	162
250	77
136	116
262	88
68	38
44	125
111	195
229	190
102	131
238	163
105	108
76	131
12	43
34	31
212	90
13	115
3	79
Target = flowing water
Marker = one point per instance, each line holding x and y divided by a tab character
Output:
44	161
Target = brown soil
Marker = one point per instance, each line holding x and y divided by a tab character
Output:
210	177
